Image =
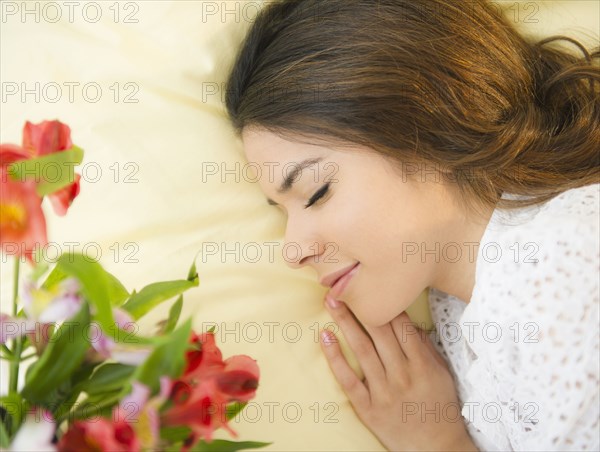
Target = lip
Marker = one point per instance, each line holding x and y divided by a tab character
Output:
330	280
342	281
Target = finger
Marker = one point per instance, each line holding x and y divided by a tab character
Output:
355	389
388	348
433	351
359	342
408	336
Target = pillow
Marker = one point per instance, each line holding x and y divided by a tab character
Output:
141	85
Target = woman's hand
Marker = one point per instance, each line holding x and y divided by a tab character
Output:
407	399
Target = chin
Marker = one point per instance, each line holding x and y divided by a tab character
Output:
369	318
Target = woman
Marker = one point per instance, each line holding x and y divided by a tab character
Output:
428	144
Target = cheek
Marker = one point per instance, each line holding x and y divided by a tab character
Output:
378	234
343	220
391	278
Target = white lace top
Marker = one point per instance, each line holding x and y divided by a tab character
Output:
524	352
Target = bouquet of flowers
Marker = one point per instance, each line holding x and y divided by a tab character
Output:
92	382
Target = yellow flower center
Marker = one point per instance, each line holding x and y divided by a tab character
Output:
13	217
143	429
41	299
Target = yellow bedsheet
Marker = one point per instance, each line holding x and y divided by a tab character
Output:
140	83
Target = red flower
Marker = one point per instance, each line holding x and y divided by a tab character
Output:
11	153
239	379
200	397
22	222
99	435
205	354
42	139
200	407
62	199
46	137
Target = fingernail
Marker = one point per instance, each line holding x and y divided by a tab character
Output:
332	302
327	338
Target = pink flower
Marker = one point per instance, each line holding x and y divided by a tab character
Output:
11	327
103	347
5	333
142	412
56	304
43	309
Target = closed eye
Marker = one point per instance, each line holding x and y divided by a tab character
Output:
318	195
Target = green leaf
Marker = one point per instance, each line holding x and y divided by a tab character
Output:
175	434
232	410
174	314
50	172
4	437
63	355
54	277
103	291
15	408
192	273
221	445
167	359
66	401
117	294
108	377
173	447
100	288
152	295
97	405
58	395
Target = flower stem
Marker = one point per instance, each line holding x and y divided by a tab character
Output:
16	286
14	365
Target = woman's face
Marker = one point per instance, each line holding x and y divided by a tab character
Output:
370	215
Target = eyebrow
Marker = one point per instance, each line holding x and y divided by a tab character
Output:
289	180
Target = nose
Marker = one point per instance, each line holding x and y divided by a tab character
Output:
302	245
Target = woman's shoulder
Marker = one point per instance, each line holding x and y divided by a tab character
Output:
543	261
570	208
582	201
564	227
567	227
573	208
537	309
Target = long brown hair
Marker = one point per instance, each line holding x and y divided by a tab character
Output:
447	83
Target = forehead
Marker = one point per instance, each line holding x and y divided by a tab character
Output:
267	150
261	146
